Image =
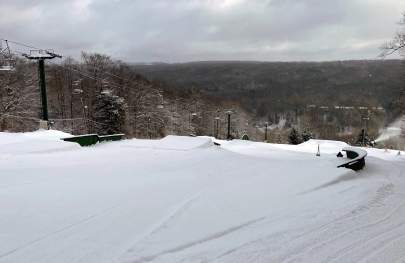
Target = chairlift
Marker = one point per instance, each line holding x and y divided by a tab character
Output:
76	83
7	62
7	65
77	91
105	84
106	92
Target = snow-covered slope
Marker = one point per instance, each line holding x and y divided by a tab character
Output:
34	142
183	199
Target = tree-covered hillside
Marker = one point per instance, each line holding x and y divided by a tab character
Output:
266	87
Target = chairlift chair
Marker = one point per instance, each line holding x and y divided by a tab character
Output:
7	62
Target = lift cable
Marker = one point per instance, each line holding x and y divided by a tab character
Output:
37	48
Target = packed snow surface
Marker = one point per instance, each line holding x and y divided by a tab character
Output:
183	199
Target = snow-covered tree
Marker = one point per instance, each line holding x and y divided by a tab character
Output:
294	137
19	99
109	113
306	135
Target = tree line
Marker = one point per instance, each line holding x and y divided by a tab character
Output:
100	95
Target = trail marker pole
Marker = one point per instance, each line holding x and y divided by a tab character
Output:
318	153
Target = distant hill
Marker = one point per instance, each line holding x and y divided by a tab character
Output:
264	87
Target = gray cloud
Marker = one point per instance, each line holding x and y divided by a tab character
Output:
185	30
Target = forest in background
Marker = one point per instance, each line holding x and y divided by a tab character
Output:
335	100
101	95
328	100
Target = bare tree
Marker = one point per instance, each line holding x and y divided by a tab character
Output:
19	99
397	44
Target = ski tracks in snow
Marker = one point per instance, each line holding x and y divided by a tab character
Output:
365	232
191	244
162	223
175	212
134	252
374	231
57	232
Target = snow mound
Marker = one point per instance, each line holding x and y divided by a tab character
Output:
41	141
172	142
325	146
47	135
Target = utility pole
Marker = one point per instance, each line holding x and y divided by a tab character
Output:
149	132
228	137
216	127
364	130
41	56
190	121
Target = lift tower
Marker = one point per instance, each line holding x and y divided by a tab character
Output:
41	56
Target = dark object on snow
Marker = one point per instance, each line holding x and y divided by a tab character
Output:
91	139
245	137
357	156
217	144
109	138
83	140
318	153
294	137
307	135
364	140
340	155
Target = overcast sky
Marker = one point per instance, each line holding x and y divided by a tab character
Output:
190	30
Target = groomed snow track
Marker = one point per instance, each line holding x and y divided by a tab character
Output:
180	199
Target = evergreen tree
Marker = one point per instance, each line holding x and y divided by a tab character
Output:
109	113
306	135
294	137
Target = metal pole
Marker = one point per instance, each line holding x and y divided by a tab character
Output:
265	132
42	87
214	130
229	126
363	136
216	127
367	124
149	133
364	131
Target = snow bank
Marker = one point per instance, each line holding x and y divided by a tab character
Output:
326	146
184	142
309	147
44	141
171	142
